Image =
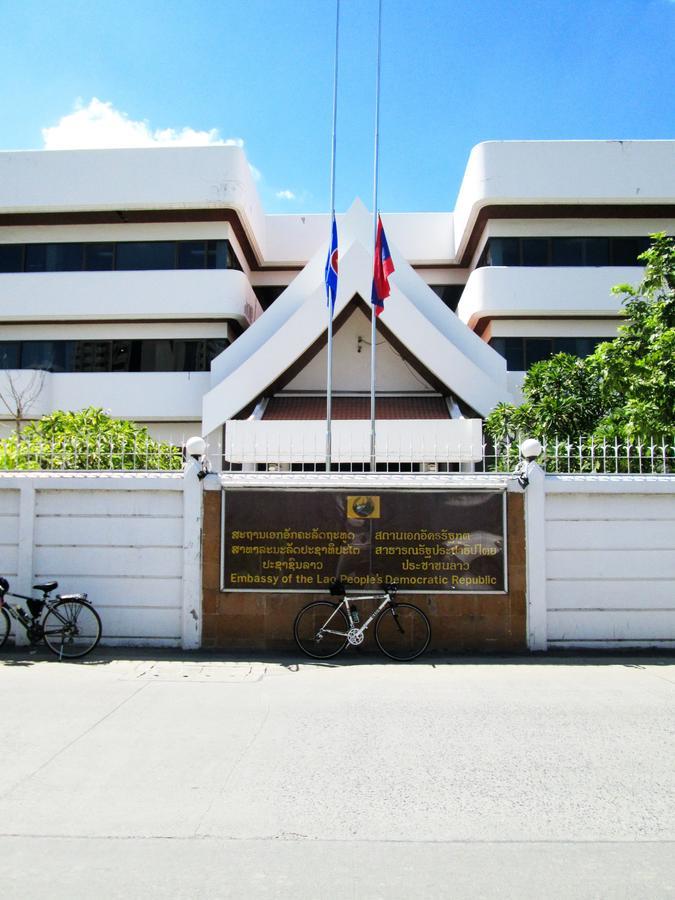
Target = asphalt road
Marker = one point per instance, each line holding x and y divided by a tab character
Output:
189	776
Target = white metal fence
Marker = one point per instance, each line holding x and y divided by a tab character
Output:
417	453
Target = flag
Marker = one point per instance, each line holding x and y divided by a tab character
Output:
331	275
382	269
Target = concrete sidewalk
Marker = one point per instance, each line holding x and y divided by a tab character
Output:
160	774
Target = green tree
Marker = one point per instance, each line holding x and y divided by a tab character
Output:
85	440
624	392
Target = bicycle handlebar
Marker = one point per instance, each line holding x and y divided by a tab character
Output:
338	587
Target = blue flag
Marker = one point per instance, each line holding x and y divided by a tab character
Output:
332	269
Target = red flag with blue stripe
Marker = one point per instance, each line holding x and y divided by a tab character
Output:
382	269
331	274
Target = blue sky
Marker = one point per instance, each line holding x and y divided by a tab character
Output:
454	72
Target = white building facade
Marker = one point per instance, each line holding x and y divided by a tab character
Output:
152	283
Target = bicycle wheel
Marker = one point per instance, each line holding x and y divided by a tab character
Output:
72	628
402	632
4	626
320	629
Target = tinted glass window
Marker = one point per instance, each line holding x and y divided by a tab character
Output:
597	251
92	356
146	255
567	251
224	256
213	347
625	251
53	257
535	251
112	356
99	257
121	356
192	255
48	355
565	345
10	354
267	294
449	294
515	357
504	252
11	257
536	349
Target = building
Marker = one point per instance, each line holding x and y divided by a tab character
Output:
152	283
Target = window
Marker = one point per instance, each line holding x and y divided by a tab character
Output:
99	257
521	353
142	255
144	355
625	251
449	294
504	252
47	355
597	251
10	354
102	256
535	251
53	257
267	294
567	251
563	251
11	257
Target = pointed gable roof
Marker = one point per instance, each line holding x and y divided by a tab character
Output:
413	314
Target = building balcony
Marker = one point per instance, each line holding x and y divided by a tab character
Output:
144	396
528	292
128	296
430	441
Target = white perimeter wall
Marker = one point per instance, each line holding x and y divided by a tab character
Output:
131	541
600	554
610	561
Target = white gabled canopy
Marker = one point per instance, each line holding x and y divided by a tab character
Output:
413	314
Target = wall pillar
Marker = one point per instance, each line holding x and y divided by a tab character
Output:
191	618
535	550
25	568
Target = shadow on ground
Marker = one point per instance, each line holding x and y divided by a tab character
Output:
102	656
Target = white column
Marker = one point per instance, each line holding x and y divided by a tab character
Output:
191	620
25	568
535	555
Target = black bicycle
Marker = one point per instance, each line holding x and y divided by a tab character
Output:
324	628
71	627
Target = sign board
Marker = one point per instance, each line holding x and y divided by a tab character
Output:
424	540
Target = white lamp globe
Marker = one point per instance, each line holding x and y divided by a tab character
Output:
195	447
530	449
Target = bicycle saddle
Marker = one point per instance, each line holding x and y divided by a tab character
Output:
46	586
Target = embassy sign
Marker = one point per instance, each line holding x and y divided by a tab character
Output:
425	540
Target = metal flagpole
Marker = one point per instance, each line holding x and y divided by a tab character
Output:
373	318
329	364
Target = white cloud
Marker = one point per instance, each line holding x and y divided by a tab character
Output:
100	125
285	195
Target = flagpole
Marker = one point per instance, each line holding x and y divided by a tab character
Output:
329	363
373	318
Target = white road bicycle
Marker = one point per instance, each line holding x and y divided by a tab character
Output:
324	628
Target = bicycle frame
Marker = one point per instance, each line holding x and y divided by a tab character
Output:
346	600
18	614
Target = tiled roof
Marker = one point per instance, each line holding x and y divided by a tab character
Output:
305	408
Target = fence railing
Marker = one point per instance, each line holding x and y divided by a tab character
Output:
587	455
31	454
559	456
